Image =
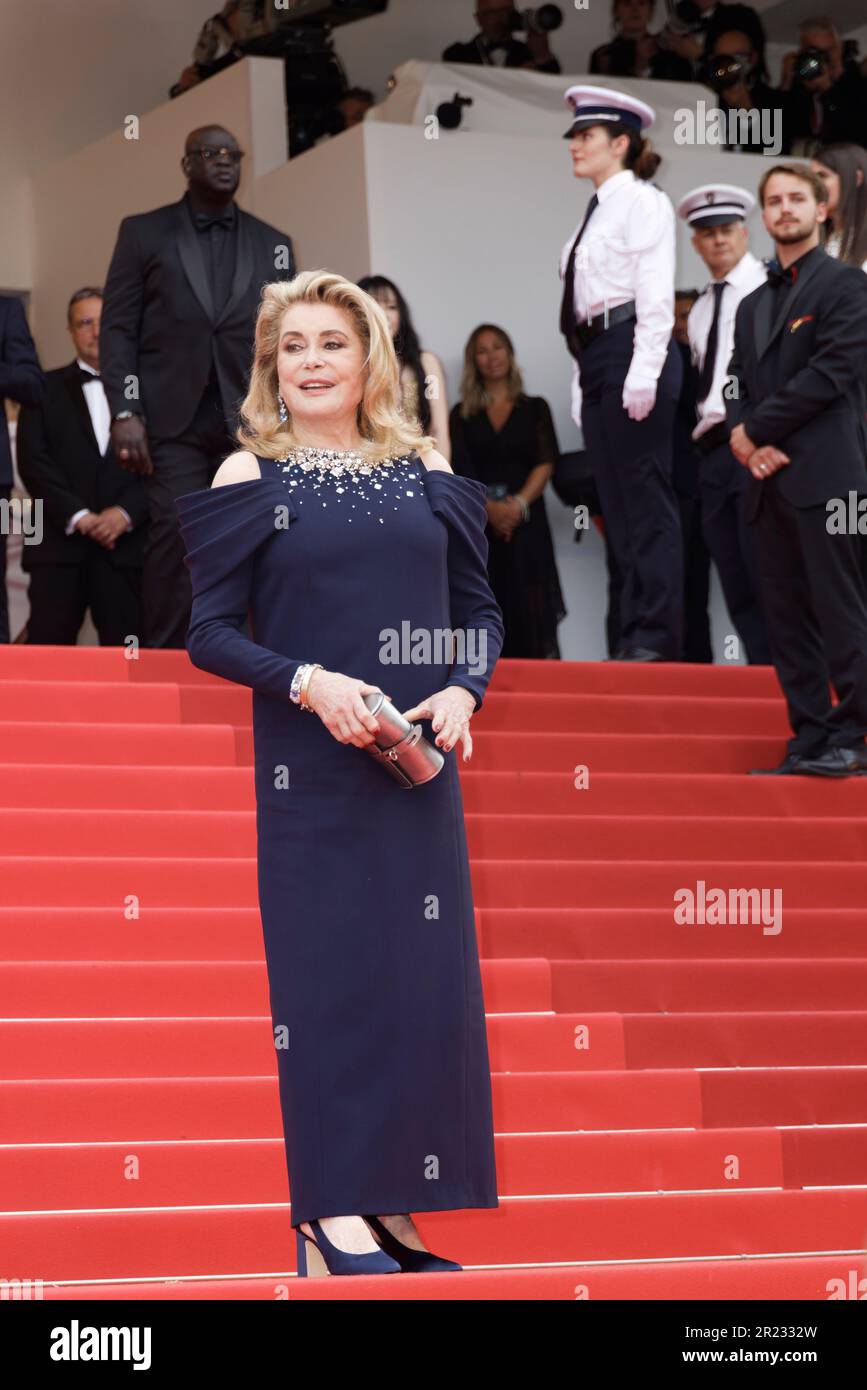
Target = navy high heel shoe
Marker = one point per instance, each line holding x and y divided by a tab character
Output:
339	1261
410	1261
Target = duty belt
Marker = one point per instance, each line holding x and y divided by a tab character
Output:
584	332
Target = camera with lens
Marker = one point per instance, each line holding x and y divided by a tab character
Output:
541	21
725	71
811	63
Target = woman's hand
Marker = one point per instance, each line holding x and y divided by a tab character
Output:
450	711
504	514
337	700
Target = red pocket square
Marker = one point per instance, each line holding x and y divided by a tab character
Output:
796	323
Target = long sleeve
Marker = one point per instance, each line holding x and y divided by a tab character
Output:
651	238
41	473
738	405
121	320
462	459
547	448
20	373
838	358
474	613
223	528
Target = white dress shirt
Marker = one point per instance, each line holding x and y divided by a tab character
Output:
627	252
100	418
745	277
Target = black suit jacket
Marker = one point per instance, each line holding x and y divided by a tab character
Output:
59	462
158	321
516	56
20	373
800	368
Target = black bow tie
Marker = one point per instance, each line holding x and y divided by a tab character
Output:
204	220
777	276
502	43
84	377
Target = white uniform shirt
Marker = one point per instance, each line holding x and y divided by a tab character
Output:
745	277
627	252
100	418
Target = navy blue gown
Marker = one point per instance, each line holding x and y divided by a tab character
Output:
364	887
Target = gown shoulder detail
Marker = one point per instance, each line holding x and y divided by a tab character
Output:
222	526
458	500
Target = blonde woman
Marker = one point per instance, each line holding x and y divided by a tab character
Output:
345	534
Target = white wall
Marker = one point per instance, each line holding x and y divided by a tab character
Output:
79	202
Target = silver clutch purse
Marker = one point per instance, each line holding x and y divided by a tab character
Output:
399	746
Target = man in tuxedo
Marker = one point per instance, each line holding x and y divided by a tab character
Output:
21	381
496	46
797	411
94	513
177	343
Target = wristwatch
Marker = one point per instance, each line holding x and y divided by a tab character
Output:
128	415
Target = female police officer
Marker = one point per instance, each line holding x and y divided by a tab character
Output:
617	317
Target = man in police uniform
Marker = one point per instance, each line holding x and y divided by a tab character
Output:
717	215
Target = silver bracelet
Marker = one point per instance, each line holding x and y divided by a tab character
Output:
295	687
525	509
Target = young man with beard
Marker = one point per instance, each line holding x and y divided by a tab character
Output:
800	363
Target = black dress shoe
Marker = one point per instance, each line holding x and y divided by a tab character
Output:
836	762
641	654
790	764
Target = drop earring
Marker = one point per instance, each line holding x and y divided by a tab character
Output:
281	406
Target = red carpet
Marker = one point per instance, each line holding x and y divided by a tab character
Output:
680	1108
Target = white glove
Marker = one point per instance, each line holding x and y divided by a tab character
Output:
639	400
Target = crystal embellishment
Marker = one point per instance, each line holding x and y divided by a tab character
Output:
342	474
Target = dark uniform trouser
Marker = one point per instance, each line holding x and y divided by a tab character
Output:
5	494
181	465
632	464
815	605
60	595
723	484
696	583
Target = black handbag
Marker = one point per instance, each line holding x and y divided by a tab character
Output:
573	482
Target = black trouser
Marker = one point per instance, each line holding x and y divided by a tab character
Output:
697	646
723	484
181	465
60	596
632	463
815	605
696	583
5	494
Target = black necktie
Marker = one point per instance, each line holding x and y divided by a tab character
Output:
777	276
568	322
705	377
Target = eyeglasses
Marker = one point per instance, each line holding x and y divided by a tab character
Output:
85	323
208	152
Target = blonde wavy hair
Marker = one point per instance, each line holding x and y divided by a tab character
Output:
384	429
474	397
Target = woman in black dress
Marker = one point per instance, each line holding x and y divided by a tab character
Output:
507	441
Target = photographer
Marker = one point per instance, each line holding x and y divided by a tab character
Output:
829	92
495	44
733	70
694	25
634	51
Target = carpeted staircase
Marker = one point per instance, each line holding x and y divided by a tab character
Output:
680	1107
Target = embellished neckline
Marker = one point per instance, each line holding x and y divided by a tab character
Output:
337	461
